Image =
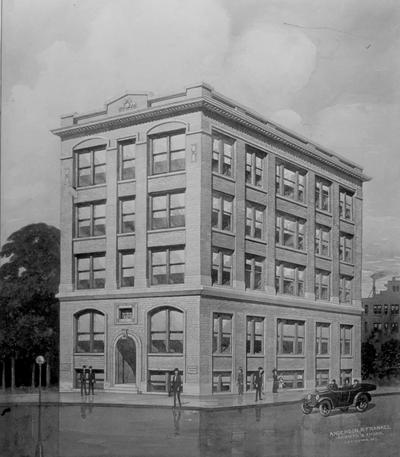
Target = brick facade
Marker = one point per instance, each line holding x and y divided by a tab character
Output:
201	114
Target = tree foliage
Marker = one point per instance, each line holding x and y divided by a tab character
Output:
29	281
368	357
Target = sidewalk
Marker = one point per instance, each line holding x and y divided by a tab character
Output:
210	402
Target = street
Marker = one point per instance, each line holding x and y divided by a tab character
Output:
92	431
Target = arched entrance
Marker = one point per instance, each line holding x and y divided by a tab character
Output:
125	361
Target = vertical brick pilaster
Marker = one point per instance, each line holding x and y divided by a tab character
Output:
240	215
310	242
357	350
270	225
270	350
309	375
335	242
335	352
357	248
66	223
111	218
205	207
141	273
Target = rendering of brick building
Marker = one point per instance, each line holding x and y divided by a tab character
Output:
197	234
380	321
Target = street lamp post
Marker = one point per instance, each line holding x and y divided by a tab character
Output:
40	361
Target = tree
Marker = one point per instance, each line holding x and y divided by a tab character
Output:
368	356
389	357
28	284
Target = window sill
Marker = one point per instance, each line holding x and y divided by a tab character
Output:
324	212
225	232
289	356
346	356
130	180
257	188
167	229
86	238
281	294
349	221
323	257
167	173
346	263
121	235
256	240
287	199
323	356
99	354
255	356
222	354
300	251
165	354
228	178
94	186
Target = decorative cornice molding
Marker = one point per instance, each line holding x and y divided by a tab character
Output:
210	105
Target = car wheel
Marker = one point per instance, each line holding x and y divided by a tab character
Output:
362	403
306	408
325	408
344	409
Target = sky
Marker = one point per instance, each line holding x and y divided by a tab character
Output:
327	69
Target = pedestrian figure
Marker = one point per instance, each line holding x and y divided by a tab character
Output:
82	379
177	386
332	385
240	381
258	382
281	383
91	380
275	381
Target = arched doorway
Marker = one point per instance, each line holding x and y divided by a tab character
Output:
125	361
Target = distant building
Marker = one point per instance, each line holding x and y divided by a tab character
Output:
198	235
380	321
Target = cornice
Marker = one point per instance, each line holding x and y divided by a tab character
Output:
212	106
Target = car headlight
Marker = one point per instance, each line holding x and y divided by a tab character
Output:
309	396
317	397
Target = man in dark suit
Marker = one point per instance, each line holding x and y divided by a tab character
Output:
82	380
258	382
176	385
91	380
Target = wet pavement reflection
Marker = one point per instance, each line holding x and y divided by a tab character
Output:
88	430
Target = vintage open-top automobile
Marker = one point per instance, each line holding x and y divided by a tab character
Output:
356	394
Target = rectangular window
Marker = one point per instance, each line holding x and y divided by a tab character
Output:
254	272
255	335
290	231
377	326
167	265
126	273
222	154
221	271
126	159
159	380
322	285
222	333
321	378
126	215
168	153
289	279
346	248
346	339
394	309
345	283
125	313
377	309
91	166
395	327
222	211
345	204
254	220
322	337
292	379
322	195
222	381
290	182
385	309
366	309
290	337
91	271
90	219
167	210
322	240
254	166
